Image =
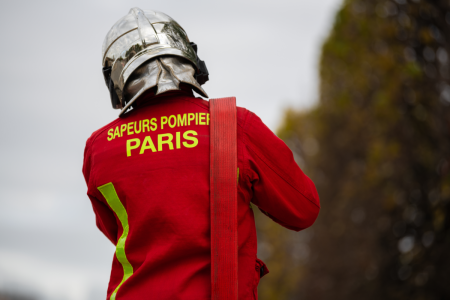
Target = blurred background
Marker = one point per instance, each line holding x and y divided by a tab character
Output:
358	89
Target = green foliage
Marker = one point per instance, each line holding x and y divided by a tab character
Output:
377	146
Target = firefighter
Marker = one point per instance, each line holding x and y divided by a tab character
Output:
147	172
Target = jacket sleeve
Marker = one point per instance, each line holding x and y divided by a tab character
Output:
280	189
104	217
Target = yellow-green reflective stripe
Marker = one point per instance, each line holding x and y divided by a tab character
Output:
238	177
109	192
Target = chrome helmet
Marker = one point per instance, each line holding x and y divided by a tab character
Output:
138	37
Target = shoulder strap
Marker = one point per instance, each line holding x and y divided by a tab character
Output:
223	189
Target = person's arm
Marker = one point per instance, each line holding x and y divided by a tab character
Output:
280	189
104	217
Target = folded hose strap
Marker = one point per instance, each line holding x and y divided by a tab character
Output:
223	189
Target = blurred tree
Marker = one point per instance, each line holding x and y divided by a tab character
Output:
285	253
378	148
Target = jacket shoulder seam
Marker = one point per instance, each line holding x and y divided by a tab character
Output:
268	165
97	133
186	99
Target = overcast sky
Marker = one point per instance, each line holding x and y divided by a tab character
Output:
53	97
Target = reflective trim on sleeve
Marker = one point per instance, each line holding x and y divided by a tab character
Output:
113	200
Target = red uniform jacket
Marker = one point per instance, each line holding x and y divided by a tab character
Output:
148	181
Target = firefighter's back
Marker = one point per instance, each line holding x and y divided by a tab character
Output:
156	159
148	171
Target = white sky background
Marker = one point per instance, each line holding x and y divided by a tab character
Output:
53	97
